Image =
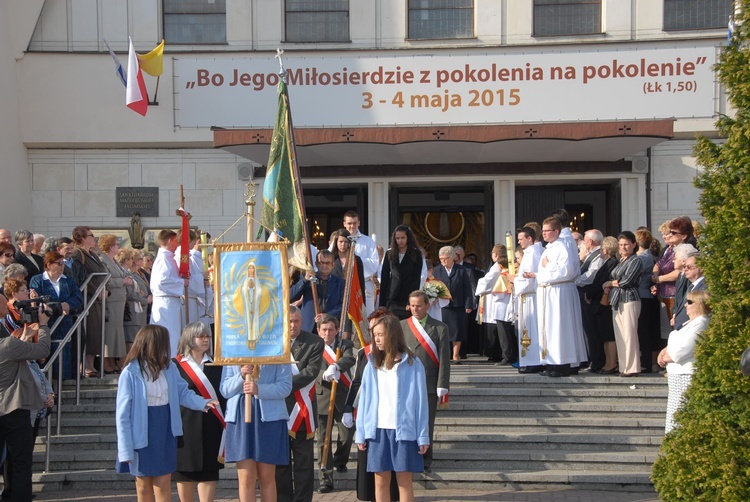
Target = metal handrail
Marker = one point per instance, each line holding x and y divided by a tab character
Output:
57	354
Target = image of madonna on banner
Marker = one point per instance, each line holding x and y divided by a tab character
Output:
252	303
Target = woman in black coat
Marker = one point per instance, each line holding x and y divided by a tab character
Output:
593	293
403	270
199	448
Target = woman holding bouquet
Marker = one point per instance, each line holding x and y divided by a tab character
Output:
404	270
437	292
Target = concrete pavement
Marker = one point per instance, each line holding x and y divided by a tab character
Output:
559	495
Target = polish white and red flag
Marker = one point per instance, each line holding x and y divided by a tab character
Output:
136	97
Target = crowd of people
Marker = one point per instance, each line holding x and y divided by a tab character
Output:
560	303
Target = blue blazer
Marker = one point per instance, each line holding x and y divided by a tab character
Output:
459	284
412	409
274	385
69	293
334	299
132	408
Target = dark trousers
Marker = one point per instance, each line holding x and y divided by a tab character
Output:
343	446
593	338
16	433
294	482
649	331
492	347
432	402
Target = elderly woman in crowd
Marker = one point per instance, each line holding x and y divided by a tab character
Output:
626	304
60	288
13	271
198	456
114	331
593	293
86	262
679	354
649	332
25	256
138	294
674	232
681	254
7	252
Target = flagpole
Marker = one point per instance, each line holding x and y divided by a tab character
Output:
183	251
156	92
350	260
297	185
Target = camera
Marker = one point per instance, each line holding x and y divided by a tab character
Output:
29	309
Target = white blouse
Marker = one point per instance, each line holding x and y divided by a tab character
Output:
681	346
387	396
157	392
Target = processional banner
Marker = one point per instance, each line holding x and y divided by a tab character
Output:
252	303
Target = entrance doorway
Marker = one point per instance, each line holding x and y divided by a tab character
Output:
589	206
446	216
325	208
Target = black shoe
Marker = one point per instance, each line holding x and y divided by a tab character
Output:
325	489
341	468
574	371
427	469
613	371
530	369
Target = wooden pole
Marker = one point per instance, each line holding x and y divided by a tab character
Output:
250	202
329	424
187	292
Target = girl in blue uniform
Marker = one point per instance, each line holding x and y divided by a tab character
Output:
261	445
392	414
149	394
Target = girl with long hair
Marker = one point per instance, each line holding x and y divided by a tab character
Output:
404	270
393	415
149	394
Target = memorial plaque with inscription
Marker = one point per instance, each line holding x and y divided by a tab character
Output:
142	200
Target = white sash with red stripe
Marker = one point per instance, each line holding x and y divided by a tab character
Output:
303	410
207	391
424	340
330	356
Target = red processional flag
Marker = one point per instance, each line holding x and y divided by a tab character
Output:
185	244
356	310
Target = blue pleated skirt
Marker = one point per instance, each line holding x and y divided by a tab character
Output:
160	456
265	442
384	453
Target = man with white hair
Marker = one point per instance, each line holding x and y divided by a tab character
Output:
38	243
5	236
696	282
592	240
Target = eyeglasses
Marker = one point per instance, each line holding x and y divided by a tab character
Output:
689	302
675	232
8	255
203	336
325	263
689	267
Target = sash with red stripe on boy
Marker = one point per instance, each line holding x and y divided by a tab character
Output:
427	344
303	410
330	356
207	391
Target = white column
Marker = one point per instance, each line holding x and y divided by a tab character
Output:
505	209
377	212
633	201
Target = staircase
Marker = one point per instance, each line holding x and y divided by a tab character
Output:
502	430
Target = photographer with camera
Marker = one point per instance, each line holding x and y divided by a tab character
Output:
21	317
19	395
64	299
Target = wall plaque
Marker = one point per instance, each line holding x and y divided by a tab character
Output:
142	200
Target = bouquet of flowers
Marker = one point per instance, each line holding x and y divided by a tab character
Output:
435	289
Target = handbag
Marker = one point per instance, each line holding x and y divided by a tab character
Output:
127	316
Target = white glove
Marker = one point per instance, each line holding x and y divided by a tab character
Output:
348	420
331	373
441	392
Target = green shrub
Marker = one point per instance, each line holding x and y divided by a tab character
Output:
707	457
